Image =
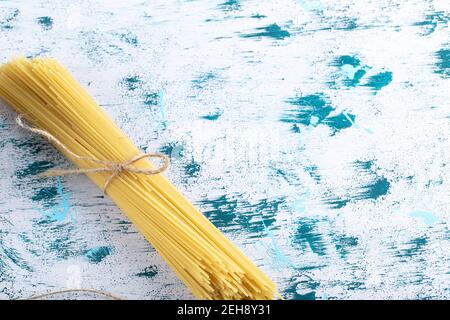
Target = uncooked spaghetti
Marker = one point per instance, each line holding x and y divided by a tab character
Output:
203	258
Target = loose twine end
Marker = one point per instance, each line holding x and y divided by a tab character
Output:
115	168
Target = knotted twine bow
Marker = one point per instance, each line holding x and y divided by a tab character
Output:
108	166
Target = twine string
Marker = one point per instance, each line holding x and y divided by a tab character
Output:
115	168
53	293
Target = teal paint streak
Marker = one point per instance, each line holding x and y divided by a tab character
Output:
34	168
222	212
45	22
315	109
148	272
347	24
308	236
96	255
61	241
33	145
355	80
363	165
129	38
350	69
230	212
151	99
132	83
415	247
336	203
432	21
230	5
271	31
379	81
313	172
173	149
346	60
443	63
258	16
378	187
314	106
340	121
344	244
61	210
213	116
10	19
301	289
192	169
46	194
375	190
14	256
201	81
427	217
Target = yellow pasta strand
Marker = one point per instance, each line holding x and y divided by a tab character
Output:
202	257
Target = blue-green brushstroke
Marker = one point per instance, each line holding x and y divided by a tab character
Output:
192	169
308	236
64	246
9	20
272	31
315	109
344	244
34	168
201	80
347	24
376	189
13	255
379	81
258	16
97	254
336	203
341	61
46	194
132	83
213	116
61	210
228	212
151	99
129	38
173	149
45	22
443	63
230	5
307	287
340	121
432	20
33	145
313	171
222	212
415	247
148	272
350	69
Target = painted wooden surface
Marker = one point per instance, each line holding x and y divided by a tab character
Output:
313	133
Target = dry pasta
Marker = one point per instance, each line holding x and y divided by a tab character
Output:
202	257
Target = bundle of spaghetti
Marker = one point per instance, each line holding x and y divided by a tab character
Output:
203	258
